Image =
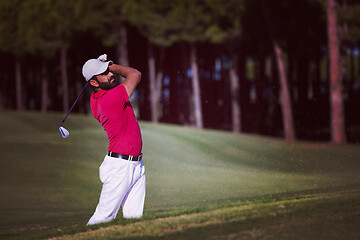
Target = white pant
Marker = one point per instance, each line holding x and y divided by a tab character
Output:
123	184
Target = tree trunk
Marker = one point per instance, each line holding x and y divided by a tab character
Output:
123	59
336	98
19	93
285	99
152	79
122	52
186	104
159	79
196	87
44	88
235	89
155	82
64	78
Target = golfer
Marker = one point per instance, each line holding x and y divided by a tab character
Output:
122	172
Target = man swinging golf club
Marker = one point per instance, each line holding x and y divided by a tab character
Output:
122	172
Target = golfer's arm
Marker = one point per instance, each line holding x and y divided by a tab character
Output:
131	75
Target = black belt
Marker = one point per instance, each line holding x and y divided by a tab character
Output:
125	157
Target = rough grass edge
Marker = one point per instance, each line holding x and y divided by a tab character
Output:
148	216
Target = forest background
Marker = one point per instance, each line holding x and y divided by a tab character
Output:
279	68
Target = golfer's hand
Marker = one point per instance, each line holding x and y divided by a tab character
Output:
131	75
103	58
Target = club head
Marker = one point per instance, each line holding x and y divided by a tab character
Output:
64	133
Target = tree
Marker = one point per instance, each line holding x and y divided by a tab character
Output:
348	15
155	82
11	41
226	29
36	25
115	27
121	41
300	38
235	98
48	26
337	110
196	87
151	20
196	25
285	99
168	22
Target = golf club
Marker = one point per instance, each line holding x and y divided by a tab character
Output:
65	133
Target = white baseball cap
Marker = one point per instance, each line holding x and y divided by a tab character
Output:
94	67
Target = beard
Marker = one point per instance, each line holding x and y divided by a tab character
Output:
112	82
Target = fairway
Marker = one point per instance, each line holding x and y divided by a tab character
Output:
48	182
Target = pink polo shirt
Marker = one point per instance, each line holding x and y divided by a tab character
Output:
113	110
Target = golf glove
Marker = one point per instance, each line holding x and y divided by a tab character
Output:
103	58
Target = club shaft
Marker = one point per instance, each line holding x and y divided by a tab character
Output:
73	104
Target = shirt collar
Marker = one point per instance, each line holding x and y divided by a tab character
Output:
98	94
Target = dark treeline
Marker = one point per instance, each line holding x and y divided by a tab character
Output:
250	66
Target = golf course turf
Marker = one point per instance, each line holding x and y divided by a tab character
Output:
229	186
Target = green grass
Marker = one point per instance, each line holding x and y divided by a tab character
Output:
50	185
302	218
